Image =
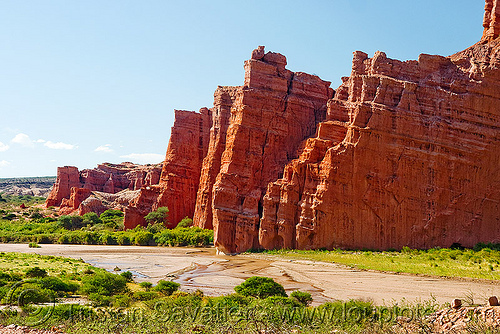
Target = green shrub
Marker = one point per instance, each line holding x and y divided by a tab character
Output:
279	301
103	283
146	285
33	245
107	239
260	287
127	275
44	239
70	222
158	216
145	295
122	301
186	222
143	238
166	287
98	299
56	284
122	240
181	236
302	297
36	272
91	218
111	214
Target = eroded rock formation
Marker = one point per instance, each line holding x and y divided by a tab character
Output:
73	187
180	175
401	154
418	165
491	21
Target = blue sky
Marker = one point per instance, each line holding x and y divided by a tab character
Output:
85	82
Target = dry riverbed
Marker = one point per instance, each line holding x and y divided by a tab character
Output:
201	268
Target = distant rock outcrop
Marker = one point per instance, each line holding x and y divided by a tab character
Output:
32	186
81	190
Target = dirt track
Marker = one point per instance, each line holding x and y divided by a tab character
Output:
199	268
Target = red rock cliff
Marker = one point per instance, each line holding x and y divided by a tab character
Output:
181	171
107	178
403	154
417	167
224	99
491	22
273	113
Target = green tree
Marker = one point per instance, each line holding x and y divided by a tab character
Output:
260	287
158	216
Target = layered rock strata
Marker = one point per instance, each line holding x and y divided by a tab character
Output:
491	21
273	113
73	187
219	161
180	176
417	166
401	154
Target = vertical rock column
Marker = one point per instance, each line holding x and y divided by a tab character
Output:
67	178
224	98
491	22
181	172
275	111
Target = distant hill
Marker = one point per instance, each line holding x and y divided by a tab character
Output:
34	186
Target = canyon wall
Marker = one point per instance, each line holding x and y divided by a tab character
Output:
401	154
418	165
180	176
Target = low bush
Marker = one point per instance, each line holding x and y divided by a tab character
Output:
146	285
144	238
303	298
185	236
36	272
128	276
166	287
103	283
145	295
157	217
260	287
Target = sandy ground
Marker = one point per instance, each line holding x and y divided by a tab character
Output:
201	268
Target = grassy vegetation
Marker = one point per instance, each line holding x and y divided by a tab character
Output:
118	305
481	262
35	225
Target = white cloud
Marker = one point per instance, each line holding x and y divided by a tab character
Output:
104	148
59	146
23	140
41	141
4	163
3	147
144	158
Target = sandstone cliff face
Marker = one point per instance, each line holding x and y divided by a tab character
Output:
401	154
224	99
418	165
273	113
67	178
73	187
181	171
491	22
